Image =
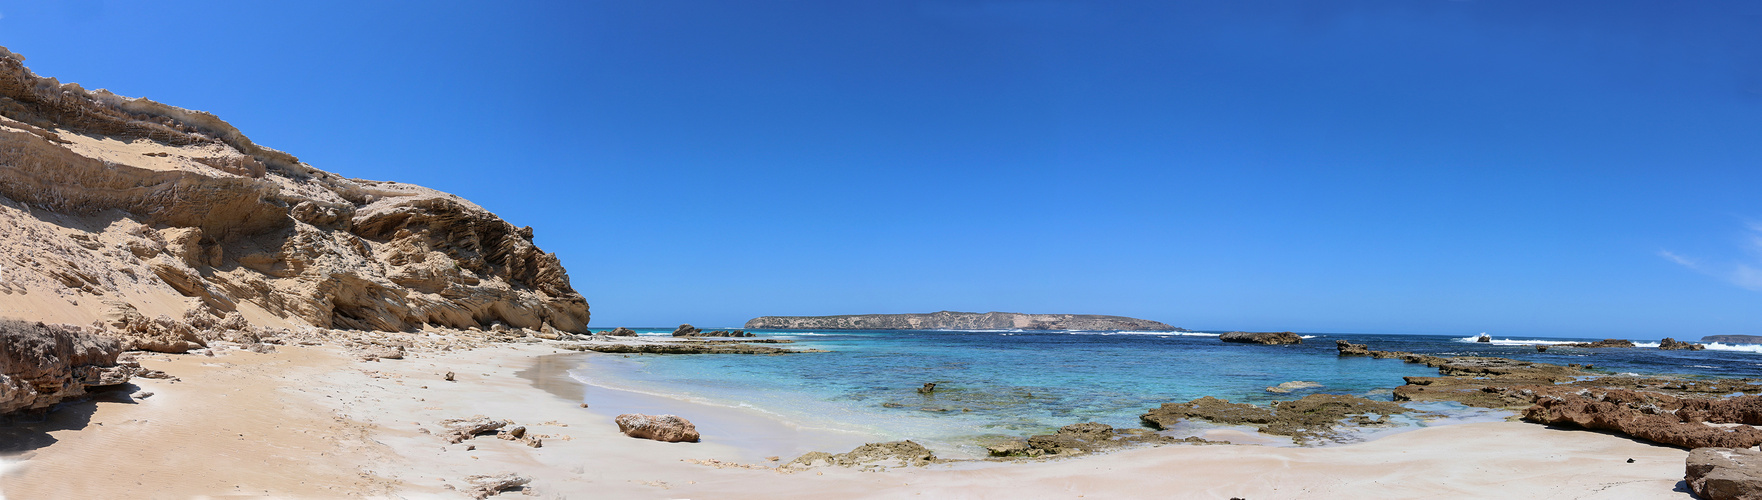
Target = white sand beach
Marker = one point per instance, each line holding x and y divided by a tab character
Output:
312	422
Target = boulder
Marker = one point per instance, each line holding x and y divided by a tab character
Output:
1724	473
1269	338
666	428
41	365
685	330
1484	338
1670	344
621	332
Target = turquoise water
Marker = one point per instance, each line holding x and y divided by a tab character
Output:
1018	383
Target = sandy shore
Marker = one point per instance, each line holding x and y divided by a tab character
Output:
312	422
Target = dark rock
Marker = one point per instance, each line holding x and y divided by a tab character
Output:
928	387
1269	338
1670	344
685	330
1724	473
1351	349
621	332
1541	348
1601	344
1484	338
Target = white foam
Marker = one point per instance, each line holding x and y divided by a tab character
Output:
1306	336
1474	339
1645	344
1717	346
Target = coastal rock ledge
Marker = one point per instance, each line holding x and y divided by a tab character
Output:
1268	338
951	320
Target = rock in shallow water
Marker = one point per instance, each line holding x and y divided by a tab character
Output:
1725	473
667	428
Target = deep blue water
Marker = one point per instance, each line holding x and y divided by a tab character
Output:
1019	383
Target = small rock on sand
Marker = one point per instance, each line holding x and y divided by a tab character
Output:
667	428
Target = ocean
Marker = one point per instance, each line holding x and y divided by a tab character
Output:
1000	384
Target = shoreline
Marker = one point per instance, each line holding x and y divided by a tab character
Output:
318	424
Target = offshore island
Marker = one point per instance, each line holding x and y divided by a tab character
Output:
950	320
191	314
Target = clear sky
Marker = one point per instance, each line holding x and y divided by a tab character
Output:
1584	168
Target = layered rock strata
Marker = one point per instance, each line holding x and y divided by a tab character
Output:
41	365
950	320
126	200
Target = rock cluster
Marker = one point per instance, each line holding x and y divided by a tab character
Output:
1268	338
1088	437
665	428
691	331
105	197
1724	473
620	332
1676	412
870	456
1670	344
1316	417
41	365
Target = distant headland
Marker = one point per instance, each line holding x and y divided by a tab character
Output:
951	320
1733	339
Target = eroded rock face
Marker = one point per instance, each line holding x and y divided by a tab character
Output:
159	199
1268	338
666	428
1653	417
1724	473
41	365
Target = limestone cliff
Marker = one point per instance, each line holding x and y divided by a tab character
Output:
950	320
114	207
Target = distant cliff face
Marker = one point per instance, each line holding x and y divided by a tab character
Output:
112	206
949	320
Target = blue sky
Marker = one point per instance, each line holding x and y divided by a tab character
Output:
1520	168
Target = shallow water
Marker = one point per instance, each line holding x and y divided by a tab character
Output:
993	384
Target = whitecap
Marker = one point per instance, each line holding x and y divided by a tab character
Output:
1510	341
1307	336
1718	346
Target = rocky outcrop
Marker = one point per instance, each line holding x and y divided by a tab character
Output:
665	428
1670	344
1733	339
950	320
1724	473
1268	338
1601	344
41	365
692	331
620	332
109	198
870	456
1315	418
1654	417
1351	349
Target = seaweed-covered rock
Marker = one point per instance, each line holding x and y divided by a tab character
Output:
1268	338
1316	417
41	364
1724	473
871	456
